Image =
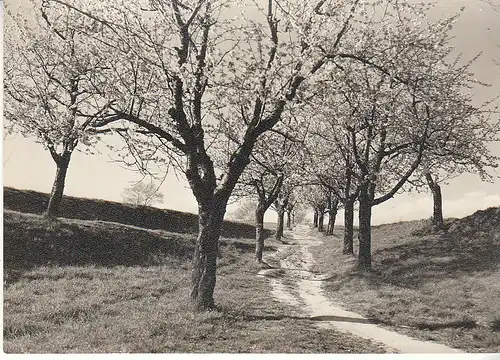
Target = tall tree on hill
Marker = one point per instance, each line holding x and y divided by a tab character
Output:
461	140
196	78
437	197
49	87
461	146
431	180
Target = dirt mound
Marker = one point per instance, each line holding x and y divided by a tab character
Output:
482	222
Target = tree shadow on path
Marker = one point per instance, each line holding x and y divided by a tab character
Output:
336	318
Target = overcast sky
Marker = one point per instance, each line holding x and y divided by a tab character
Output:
27	166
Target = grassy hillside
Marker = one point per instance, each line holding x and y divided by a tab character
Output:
27	201
442	287
90	286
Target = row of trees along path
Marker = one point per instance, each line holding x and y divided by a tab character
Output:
365	91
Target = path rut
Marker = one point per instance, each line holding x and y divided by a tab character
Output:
296	262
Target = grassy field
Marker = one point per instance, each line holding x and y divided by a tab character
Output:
76	286
443	287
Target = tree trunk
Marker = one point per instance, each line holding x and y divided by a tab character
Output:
437	218
262	206
259	233
321	221
280	225
332	216
210	219
333	205
315	218
288	220
348	227
437	215
56	194
364	235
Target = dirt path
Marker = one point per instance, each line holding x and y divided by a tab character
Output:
296	262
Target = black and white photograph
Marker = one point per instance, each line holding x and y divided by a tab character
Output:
261	177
